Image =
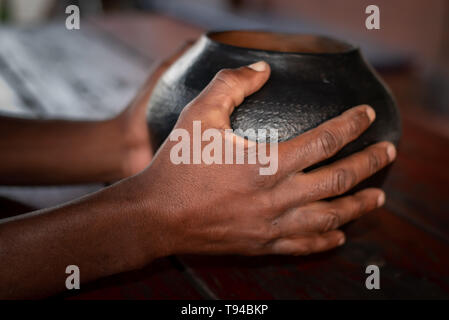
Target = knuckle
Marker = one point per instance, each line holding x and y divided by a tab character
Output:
357	122
272	232
342	180
329	142
330	221
267	203
308	148
263	238
228	78
358	205
304	250
375	161
226	101
262	181
232	93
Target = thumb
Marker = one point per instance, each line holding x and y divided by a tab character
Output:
229	88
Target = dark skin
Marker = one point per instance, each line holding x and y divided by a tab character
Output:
171	209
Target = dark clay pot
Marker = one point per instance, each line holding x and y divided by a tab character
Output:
313	79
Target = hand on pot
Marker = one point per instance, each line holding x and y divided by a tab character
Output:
222	208
132	120
200	208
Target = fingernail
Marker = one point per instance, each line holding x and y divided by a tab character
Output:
370	113
341	241
258	66
381	200
391	152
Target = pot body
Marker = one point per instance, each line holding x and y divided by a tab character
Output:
304	90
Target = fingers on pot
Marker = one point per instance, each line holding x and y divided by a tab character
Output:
325	140
343	175
229	88
304	245
337	178
325	216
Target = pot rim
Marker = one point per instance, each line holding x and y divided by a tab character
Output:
351	48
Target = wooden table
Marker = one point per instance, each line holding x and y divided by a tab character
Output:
408	239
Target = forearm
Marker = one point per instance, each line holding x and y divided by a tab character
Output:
101	234
60	151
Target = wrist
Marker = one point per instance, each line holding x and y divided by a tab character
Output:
133	144
146	229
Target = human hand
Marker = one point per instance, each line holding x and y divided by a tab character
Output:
132	121
232	209
200	208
